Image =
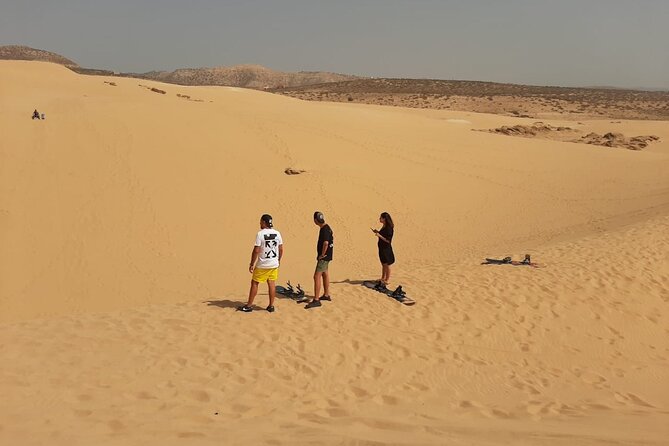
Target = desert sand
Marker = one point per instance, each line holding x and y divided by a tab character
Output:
126	223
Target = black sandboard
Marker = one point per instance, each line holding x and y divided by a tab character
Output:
404	299
285	292
510	262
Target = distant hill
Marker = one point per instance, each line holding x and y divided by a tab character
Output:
248	76
484	97
18	52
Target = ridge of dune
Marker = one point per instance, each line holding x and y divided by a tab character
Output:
126	221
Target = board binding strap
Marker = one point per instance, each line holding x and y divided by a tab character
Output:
288	291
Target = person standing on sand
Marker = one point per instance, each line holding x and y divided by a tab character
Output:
386	255
265	259
323	258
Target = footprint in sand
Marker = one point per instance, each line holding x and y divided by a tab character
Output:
144	396
313	418
269	364
115	425
337	412
466	405
633	399
201	396
595	406
387	400
181	361
416	387
387	425
358	392
537	408
240	408
373	372
496	413
526	387
339	359
593	379
190	435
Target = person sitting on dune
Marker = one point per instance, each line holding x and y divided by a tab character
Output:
36	114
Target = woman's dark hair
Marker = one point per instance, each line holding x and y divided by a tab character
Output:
388	220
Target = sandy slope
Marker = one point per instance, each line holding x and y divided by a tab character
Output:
126	220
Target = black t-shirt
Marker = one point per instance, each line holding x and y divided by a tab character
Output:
325	235
387	233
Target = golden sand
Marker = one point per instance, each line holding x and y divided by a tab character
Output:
126	223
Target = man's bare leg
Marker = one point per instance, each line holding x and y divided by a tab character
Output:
317	285
326	283
252	293
271	286
316	301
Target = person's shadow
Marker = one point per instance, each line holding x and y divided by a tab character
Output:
353	282
225	303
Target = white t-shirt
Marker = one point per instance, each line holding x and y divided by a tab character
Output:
269	241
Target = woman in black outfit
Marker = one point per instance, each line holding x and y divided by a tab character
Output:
386	255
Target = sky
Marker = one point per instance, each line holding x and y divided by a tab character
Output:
619	43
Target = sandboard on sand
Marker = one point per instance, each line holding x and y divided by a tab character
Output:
507	261
402	297
289	291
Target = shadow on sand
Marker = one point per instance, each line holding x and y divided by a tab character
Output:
354	282
224	304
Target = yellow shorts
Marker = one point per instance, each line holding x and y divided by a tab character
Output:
262	275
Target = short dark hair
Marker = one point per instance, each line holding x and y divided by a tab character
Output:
319	217
388	220
267	219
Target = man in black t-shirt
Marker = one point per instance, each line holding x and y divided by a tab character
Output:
324	257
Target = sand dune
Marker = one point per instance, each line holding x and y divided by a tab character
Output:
126	221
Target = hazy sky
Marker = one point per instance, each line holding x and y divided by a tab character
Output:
559	42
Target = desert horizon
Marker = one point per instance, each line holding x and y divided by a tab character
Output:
128	214
257	76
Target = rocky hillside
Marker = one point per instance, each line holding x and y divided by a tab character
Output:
488	97
248	76
17	52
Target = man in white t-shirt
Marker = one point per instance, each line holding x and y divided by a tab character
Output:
265	259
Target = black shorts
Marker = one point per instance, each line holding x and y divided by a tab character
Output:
386	256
